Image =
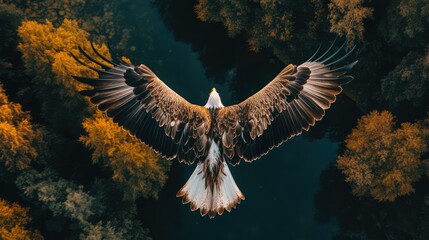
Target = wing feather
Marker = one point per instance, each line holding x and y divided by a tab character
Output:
292	102
136	99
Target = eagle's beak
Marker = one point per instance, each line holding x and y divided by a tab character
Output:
214	90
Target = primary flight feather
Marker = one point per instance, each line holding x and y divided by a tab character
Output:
215	135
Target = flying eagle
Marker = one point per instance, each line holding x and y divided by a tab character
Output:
215	135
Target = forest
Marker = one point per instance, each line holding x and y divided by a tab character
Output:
67	171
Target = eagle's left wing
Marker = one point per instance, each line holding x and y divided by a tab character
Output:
292	102
136	99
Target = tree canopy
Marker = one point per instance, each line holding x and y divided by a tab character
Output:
266	23
14	222
409	81
346	18
381	160
138	170
18	136
104	207
93	215
80	175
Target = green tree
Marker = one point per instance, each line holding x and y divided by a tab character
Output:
92	215
265	22
380	160
409	81
364	218
10	19
14	223
406	23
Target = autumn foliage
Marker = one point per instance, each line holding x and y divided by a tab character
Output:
381	160
98	17
14	223
48	48
347	18
17	135
46	51
135	166
82	174
130	168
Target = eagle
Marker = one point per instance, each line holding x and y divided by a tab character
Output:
215	136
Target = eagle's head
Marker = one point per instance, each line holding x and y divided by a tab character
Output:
214	100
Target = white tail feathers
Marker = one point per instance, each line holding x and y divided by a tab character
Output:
212	193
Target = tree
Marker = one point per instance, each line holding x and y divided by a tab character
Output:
91	215
380	160
18	138
46	51
14	223
10	18
265	22
409	81
364	218
406	20
347	18
138	170
46	54
107	210
100	18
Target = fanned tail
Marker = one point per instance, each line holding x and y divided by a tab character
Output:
211	187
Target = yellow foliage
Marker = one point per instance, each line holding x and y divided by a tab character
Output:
16	135
382	161
347	17
13	221
98	17
202	10
46	53
135	165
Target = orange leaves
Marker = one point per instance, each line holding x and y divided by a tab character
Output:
13	221
347	18
135	166
202	10
12	214
371	128
382	161
47	49
46	53
16	135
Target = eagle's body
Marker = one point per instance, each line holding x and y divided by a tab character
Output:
212	173
215	135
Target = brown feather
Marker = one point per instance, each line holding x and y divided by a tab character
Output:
289	104
124	91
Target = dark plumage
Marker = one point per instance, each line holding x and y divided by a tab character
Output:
214	135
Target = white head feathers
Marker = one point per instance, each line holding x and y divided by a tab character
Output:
214	100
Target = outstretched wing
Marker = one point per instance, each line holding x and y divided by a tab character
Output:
136	99
292	102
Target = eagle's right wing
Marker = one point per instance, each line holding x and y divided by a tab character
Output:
292	102
136	99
